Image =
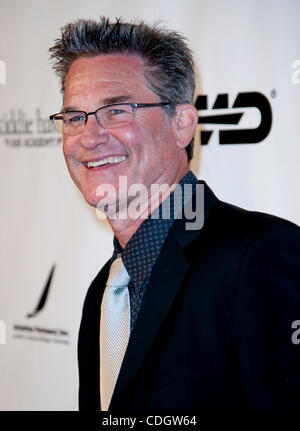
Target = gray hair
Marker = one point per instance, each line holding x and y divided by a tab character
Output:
168	62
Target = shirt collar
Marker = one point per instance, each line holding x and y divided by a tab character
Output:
144	246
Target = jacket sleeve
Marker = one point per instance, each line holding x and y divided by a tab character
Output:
267	308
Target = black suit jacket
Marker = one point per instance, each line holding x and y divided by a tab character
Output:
214	331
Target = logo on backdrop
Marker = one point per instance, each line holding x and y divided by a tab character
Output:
19	129
233	115
42	301
37	332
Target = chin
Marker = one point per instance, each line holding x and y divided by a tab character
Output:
90	196
91	200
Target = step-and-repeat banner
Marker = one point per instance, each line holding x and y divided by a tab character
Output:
52	243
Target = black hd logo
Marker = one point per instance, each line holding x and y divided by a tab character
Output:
236	136
42	301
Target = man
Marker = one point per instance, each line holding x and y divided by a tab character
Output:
182	317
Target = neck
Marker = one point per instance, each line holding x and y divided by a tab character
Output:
124	228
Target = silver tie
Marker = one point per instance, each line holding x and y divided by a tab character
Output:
114	329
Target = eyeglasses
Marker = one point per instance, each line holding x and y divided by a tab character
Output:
108	116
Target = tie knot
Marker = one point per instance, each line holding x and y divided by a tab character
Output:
118	275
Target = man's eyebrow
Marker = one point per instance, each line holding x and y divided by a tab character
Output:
70	108
117	99
107	101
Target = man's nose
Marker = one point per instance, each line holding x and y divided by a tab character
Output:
93	134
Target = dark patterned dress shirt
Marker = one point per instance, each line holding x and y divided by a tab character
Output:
144	246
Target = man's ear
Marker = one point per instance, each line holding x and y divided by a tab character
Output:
186	120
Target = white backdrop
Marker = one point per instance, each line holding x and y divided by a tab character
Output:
249	46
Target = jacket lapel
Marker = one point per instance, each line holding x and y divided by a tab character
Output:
88	344
167	276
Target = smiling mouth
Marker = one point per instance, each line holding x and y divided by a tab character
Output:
107	161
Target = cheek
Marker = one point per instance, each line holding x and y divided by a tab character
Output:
142	145
131	137
68	146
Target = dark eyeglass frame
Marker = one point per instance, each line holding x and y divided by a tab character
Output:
59	115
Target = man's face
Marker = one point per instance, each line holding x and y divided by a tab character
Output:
148	143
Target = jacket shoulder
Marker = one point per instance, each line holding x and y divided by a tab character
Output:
228	219
229	231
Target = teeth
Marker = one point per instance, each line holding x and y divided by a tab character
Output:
106	161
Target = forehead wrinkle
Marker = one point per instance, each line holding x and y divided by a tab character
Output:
107	101
80	81
80	84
